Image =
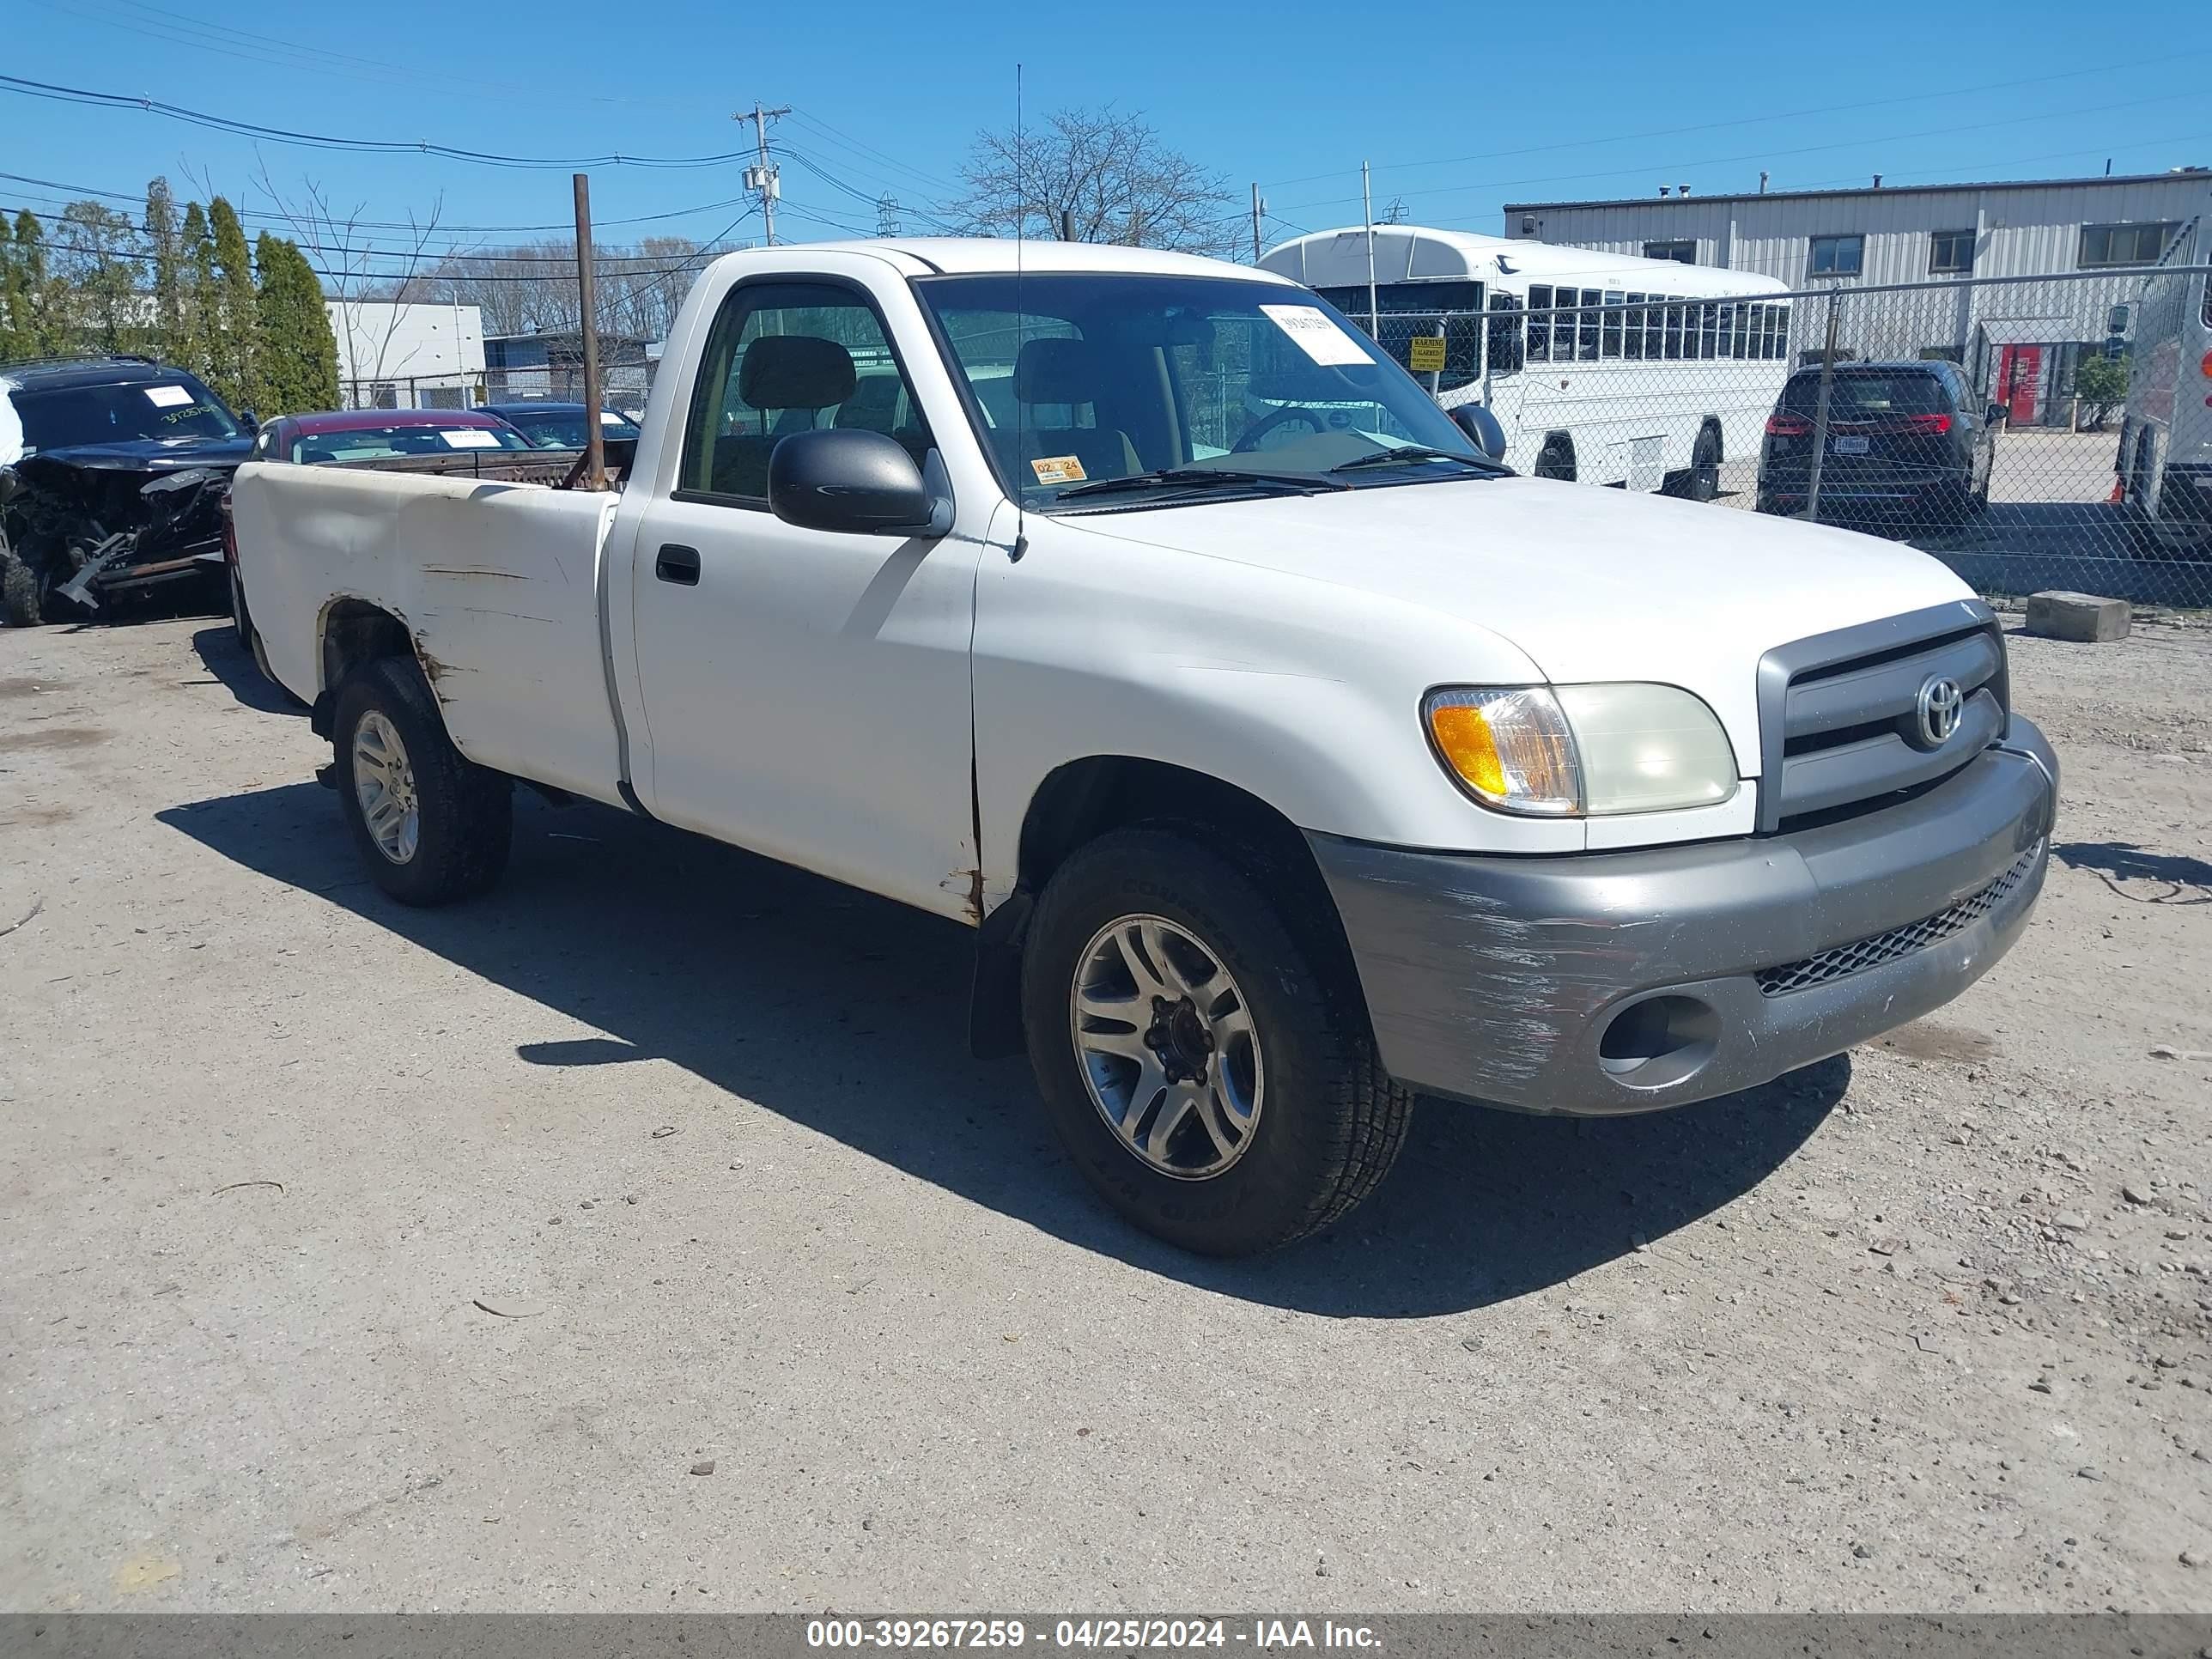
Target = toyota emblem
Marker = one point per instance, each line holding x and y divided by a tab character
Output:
1938	706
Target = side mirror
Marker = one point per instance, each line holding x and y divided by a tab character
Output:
1997	417
249	420
1480	424
849	479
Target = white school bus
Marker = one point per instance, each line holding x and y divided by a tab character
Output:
2165	460
1602	368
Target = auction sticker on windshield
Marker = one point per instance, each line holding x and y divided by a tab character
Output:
1318	336
470	437
168	396
1058	469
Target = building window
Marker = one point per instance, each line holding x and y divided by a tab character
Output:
2124	245
1838	256
1951	251
1682	253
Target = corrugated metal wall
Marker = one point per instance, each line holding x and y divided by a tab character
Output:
2023	231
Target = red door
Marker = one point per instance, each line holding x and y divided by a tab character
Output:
2019	372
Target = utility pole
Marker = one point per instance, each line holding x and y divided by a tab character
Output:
887	215
764	178
1259	207
1367	200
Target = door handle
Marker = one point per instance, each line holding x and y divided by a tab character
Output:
676	564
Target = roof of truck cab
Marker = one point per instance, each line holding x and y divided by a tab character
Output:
928	256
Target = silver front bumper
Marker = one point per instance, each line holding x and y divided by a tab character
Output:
1626	981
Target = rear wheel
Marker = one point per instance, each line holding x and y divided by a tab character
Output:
431	825
1213	1084
1702	482
22	590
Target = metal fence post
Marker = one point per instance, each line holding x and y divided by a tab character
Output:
1820	410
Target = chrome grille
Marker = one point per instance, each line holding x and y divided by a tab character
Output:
1839	727
1841	961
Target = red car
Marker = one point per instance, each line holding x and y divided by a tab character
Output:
376	434
359	435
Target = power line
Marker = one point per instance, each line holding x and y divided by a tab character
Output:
144	256
357	146
845	140
264	216
1743	121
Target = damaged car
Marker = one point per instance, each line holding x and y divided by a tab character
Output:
112	475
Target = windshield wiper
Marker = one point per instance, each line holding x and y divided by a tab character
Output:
1303	484
1404	452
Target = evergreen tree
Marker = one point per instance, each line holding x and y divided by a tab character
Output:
99	269
25	290
297	355
231	340
197	331
167	270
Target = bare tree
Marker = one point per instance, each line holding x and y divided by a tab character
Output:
362	269
1108	171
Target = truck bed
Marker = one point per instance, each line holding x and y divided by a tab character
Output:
493	572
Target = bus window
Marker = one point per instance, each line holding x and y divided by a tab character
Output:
1631	344
1504	334
1655	329
1593	301
1674	330
1613	318
1709	329
1540	325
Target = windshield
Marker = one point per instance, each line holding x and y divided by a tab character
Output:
382	442
1859	394
564	429
139	410
1078	378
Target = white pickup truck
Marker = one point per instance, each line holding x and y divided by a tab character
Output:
1290	756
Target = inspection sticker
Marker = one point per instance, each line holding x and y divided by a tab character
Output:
168	396
1319	338
1058	469
470	437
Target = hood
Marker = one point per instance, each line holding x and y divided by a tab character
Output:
1591	584
150	454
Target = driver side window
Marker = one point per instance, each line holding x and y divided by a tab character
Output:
787	357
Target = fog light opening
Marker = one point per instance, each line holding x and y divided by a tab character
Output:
1659	1041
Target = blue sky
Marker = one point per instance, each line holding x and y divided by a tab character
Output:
1461	108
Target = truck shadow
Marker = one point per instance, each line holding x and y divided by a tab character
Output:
847	1014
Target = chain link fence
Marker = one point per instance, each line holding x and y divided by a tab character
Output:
2033	433
622	387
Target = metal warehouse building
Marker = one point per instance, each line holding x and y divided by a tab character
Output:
2020	341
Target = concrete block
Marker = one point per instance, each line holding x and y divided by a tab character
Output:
2081	616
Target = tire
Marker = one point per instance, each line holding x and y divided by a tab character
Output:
463	813
1556	460
22	590
1702	482
1325	1123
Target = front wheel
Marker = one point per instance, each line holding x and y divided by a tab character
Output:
1206	1069
431	824
24	590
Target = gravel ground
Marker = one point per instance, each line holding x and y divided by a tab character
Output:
359	1259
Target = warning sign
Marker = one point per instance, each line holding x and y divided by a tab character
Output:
1425	353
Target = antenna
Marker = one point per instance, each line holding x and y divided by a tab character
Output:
1021	327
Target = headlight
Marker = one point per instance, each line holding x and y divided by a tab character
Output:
1573	750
